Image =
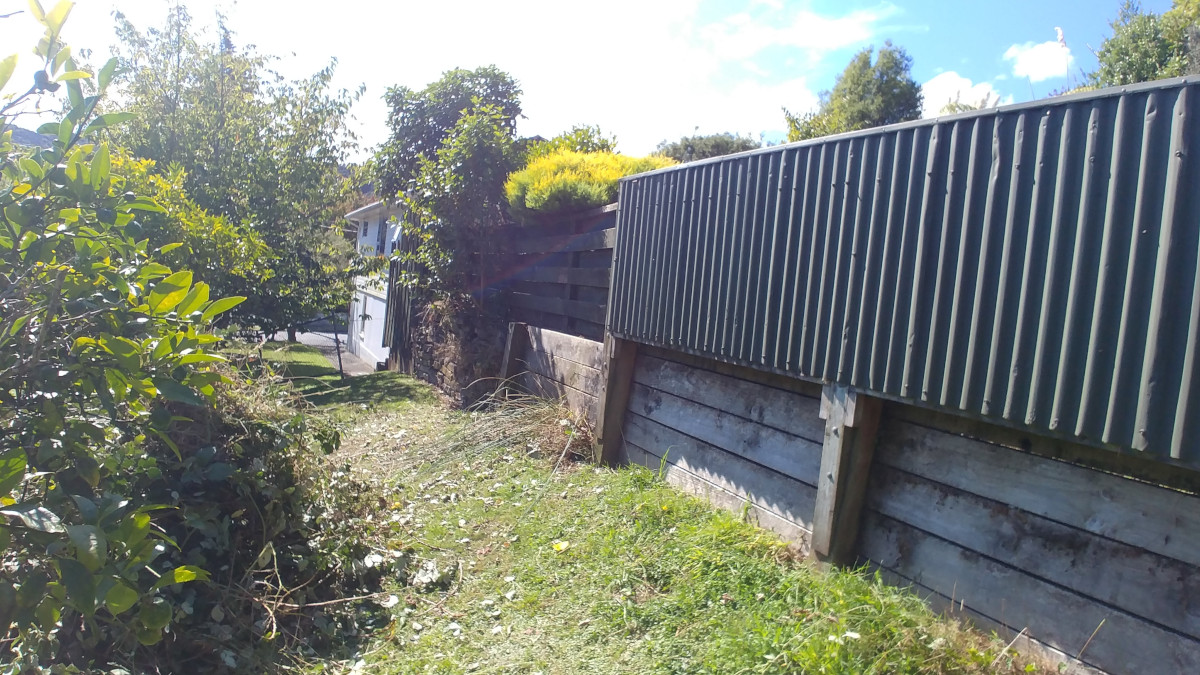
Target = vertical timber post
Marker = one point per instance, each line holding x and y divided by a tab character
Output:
851	423
515	350
617	374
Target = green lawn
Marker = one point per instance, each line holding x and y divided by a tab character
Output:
581	569
317	380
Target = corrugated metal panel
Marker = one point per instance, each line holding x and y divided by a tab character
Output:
1035	263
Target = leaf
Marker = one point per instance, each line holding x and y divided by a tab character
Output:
108	120
100	166
120	598
170	247
167	293
155	615
6	69
35	8
56	17
181	575
106	73
91	546
81	587
35	517
222	305
200	358
197	298
73	75
174	391
12	470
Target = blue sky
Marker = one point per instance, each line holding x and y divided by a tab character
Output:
647	70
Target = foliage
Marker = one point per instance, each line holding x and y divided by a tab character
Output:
451	147
566	180
865	95
256	149
230	257
1146	46
690	148
957	105
421	121
101	346
580	138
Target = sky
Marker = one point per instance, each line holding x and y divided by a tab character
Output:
644	70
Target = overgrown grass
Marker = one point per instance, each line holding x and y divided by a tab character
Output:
583	569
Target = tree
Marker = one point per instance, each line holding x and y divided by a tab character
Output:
421	121
260	151
689	148
580	138
451	147
865	95
957	105
1146	46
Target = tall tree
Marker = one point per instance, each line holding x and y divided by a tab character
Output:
452	145
689	148
252	147
865	95
1145	46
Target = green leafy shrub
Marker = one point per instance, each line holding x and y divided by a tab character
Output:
567	180
137	486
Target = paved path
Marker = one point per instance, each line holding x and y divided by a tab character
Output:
324	342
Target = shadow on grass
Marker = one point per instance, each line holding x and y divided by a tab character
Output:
317	380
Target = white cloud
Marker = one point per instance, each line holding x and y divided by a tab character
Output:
949	86
743	35
1040	61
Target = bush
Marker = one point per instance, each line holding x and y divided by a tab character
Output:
568	180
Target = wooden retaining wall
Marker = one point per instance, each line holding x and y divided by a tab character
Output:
557	366
730	434
974	517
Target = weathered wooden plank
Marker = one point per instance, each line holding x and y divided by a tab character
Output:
574	375
783	410
588	311
1112	460
620	362
1157	519
951	607
775	492
756	375
516	346
589	241
714	494
578	401
1145	584
851	420
790	455
1060	617
566	276
580	350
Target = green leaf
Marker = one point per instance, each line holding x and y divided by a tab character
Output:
189	359
155	615
12	470
194	300
108	120
100	166
173	391
170	247
81	587
222	305
35	517
88	469
6	69
120	598
73	75
91	546
106	73
56	17
167	293
180	575
35	8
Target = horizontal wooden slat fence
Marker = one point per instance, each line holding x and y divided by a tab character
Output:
559	272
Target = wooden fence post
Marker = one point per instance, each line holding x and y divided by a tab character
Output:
851	423
515	350
617	374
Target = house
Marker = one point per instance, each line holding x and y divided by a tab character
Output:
379	233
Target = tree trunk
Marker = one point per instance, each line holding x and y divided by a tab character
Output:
291	330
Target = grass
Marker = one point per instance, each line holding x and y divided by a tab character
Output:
562	567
